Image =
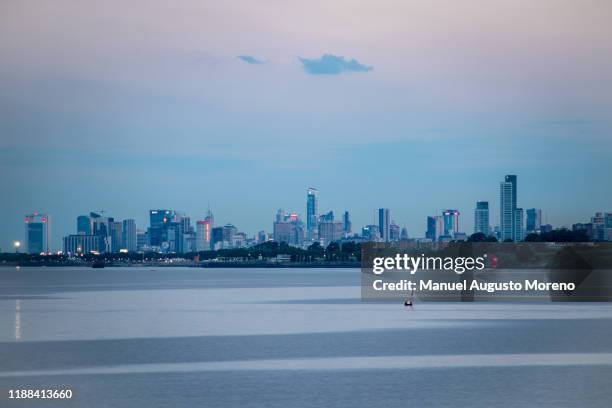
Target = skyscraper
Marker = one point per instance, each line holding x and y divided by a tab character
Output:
158	220
203	231
330	231
312	212
519	229
451	222
507	210
481	217
129	235
116	235
37	233
534	220
346	224
394	232
384	219
430	233
84	225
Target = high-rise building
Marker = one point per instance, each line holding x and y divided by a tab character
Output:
435	227
130	240
384	220
430	233
394	232
38	233
404	234
347	227
116	235
507	211
142	240
481	217
330	231
519	229
327	217
79	244
289	228
451	222
203	231
312	212
84	225
158	221
371	233
534	220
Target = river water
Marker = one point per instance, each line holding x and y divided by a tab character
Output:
187	337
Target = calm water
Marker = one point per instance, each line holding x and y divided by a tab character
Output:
182	337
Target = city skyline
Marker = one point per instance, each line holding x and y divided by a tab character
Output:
444	224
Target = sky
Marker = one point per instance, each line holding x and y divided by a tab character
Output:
416	106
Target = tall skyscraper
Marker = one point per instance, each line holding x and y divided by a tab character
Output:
203	231
130	240
507	210
116	235
158	221
312	212
37	233
519	229
481	217
347	227
534	220
430	233
288	228
451	222
384	220
84	225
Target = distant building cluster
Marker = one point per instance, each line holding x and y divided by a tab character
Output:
171	231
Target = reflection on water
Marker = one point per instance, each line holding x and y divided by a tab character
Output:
17	320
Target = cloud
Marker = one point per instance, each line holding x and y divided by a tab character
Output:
251	60
330	64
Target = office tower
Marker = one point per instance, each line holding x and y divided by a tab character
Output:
384	218
116	235
507	200
289	228
79	244
158	220
519	229
394	232
481	217
451	222
347	227
312	212
203	231
37	233
84	225
608	220
599	223
330	231
404	234
142	240
229	231
262	237
100	224
371	233
327	217
130	240
534	220
430	233
217	238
